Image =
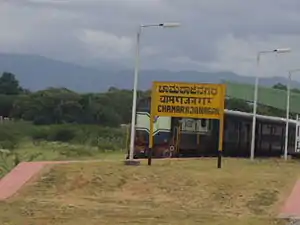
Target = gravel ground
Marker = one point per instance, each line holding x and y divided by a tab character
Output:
294	222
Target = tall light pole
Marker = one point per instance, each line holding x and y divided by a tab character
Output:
288	112
136	74
279	50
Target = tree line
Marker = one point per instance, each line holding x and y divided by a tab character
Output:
61	105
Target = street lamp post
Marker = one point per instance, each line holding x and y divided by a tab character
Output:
281	50
288	94
136	74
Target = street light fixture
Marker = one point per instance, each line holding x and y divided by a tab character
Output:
164	25
136	74
279	50
282	50
288	112
170	25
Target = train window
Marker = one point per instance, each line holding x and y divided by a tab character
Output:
203	122
189	123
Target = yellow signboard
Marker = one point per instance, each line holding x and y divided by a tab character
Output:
188	100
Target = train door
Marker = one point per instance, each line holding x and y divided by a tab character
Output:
195	136
176	137
188	144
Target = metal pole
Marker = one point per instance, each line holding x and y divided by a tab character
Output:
134	98
296	132
254	110
287	117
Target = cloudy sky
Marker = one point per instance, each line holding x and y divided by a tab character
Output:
215	35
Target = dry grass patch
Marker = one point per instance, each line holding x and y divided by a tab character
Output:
169	192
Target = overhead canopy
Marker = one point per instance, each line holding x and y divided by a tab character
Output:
266	96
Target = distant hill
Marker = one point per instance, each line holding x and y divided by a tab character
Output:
37	72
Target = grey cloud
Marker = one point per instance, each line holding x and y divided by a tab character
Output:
38	32
53	28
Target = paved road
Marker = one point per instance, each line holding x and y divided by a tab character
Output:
291	207
24	172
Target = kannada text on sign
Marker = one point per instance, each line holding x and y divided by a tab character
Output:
188	100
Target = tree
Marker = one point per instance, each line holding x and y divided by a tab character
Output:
237	104
280	86
284	87
111	108
50	106
6	104
9	85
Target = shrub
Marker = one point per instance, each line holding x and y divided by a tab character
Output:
104	138
75	151
9	136
40	133
61	133
72	151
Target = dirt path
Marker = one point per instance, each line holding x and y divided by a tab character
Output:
21	174
24	172
291	209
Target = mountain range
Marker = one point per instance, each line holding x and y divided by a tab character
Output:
37	72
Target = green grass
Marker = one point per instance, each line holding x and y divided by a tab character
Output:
56	151
28	142
13	134
169	192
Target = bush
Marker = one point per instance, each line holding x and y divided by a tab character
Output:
61	133
104	138
75	151
40	133
9	144
10	136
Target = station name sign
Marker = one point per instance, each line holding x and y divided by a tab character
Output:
188	100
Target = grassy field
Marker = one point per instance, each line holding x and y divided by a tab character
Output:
55	151
170	192
24	141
